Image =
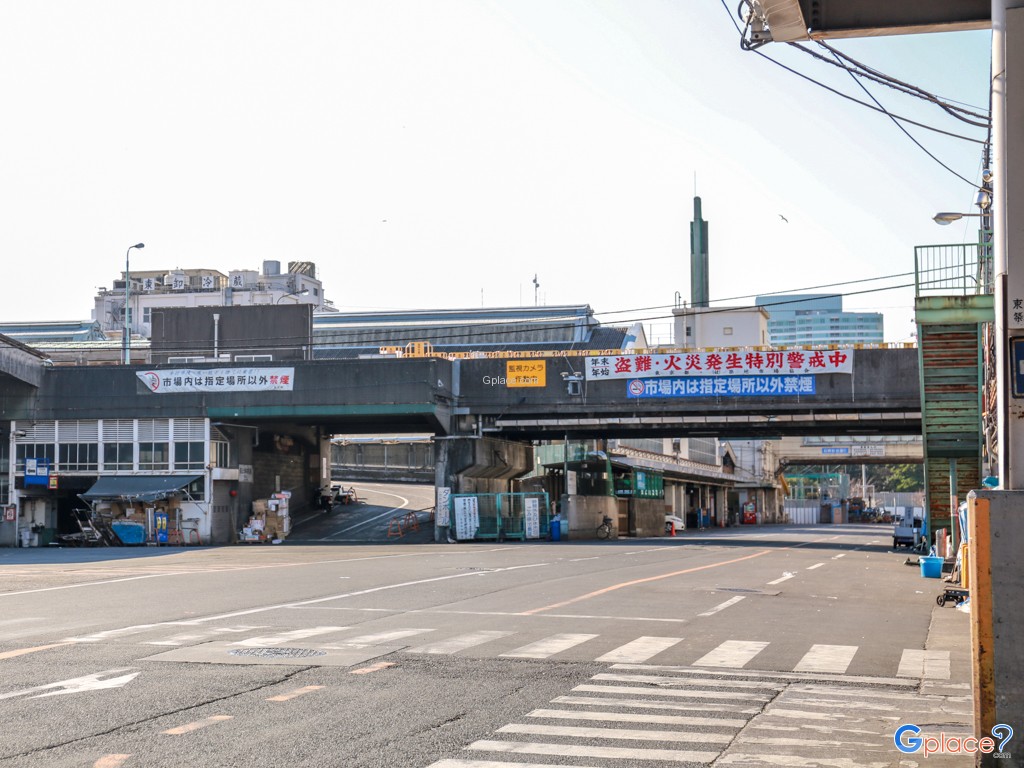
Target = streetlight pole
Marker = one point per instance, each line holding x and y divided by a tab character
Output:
303	292
126	340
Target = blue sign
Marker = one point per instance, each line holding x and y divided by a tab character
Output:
721	386
37	471
832	451
1017	358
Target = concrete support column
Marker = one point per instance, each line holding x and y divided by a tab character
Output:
442	490
997	623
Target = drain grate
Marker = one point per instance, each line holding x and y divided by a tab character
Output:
277	653
737	589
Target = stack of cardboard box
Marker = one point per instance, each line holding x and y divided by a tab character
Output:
270	520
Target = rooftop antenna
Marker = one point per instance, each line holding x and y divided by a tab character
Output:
536	287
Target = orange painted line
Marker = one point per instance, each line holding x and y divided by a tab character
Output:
23	651
625	584
296	693
110	761
196	725
372	668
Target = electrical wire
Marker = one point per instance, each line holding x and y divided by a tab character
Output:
844	95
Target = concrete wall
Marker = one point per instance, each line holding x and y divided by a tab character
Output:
996	569
587	512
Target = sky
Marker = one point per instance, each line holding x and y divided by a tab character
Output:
442	154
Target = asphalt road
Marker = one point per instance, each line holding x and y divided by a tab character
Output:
342	647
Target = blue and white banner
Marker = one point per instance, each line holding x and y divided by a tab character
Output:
722	386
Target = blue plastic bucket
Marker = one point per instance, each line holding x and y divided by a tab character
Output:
931	567
555	527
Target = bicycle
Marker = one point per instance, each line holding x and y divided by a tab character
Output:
604	530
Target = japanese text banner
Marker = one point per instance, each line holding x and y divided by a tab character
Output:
738	363
218	380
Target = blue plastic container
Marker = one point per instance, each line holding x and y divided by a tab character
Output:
556	529
931	567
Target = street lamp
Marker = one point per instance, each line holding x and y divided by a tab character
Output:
303	292
948	217
126	341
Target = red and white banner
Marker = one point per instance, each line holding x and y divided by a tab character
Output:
737	363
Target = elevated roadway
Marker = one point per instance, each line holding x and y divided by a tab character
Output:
879	395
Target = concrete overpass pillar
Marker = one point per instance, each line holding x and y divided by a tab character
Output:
442	489
996	569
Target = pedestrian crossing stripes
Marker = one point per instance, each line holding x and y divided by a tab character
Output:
733	719
665	651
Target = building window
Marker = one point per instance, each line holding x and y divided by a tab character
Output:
118	456
727	331
154	455
221	453
147	315
188	455
196	490
32	451
78	457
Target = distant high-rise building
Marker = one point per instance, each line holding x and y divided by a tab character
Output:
818	318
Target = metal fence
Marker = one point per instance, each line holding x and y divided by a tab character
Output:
951	270
500	516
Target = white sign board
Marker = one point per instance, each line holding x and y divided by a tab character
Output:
467	517
441	517
532	508
570	485
218	380
737	363
245	473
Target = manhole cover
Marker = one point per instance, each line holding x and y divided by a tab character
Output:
277	653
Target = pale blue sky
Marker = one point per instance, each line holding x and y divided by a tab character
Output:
440	154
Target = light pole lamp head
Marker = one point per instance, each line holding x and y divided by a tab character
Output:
138	245
946	217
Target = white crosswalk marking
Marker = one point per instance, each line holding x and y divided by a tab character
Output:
731	653
622	734
933	665
640	650
379	638
666	680
549	646
702	706
287	637
827	658
626	717
695	693
457	763
460	643
579	750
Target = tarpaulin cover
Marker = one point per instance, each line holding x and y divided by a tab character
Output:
138	487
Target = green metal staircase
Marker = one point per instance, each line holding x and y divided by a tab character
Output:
949	340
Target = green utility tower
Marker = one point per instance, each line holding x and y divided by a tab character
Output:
699	292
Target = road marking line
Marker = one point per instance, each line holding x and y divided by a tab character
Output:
385	637
731	653
836	557
631	734
372	668
579	750
647	580
827	658
624	717
587	701
296	693
722	606
460	643
549	646
816	565
744	696
197	725
682	682
783	578
933	665
23	651
640	650
110	761
460	763
284	637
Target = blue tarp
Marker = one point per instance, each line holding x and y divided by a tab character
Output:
138	487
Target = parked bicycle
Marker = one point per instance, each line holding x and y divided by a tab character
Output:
604	530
